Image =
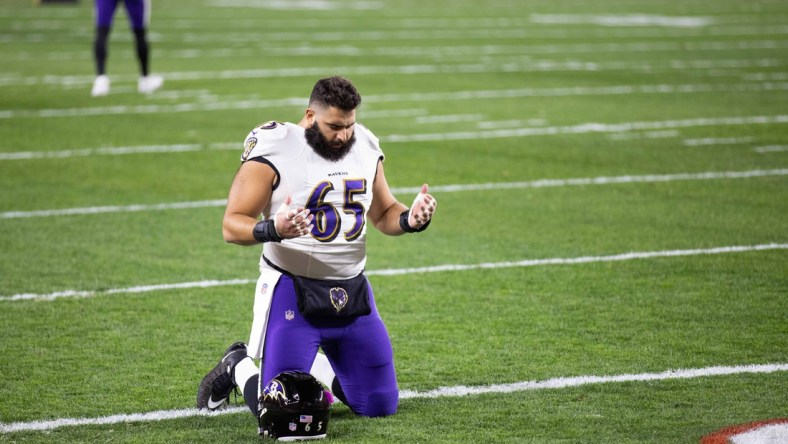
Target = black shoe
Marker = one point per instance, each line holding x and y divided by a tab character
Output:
216	386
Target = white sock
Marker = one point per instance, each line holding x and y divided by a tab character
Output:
322	370
245	370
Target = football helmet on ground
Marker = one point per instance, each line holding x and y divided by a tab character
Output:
293	407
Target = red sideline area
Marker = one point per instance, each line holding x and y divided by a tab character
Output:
721	436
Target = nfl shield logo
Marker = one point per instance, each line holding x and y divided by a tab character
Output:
292	427
289	315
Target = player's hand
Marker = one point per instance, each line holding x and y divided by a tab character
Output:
422	209
292	222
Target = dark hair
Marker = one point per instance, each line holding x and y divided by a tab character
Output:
335	91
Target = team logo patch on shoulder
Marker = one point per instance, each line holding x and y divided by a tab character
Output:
272	130
268	125
249	146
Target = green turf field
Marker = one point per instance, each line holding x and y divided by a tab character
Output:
612	179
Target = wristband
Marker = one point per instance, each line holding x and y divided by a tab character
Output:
403	223
265	231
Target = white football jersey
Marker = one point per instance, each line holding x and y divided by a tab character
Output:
338	194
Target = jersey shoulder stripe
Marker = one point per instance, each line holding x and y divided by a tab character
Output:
262	137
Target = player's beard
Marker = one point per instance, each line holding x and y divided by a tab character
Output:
323	148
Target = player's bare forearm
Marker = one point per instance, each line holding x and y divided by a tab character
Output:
388	221
393	217
238	228
385	210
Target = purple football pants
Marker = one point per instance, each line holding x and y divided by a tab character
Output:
136	10
358	349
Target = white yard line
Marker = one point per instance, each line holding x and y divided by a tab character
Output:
623	20
541	183
519	64
706	141
534	127
472	33
585	128
665	134
127	290
771	148
449	118
417	270
440	52
223	105
295	35
114	209
314	5
441	392
559	383
111	151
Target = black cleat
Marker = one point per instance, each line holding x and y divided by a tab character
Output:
216	386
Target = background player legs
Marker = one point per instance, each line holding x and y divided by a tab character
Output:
139	15
141	44
104	12
138	12
100	49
